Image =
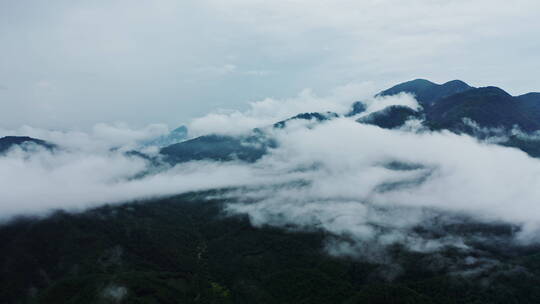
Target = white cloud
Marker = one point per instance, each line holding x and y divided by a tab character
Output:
38	182
121	134
342	192
102	136
375	104
269	111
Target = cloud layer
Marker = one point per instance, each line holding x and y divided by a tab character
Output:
352	183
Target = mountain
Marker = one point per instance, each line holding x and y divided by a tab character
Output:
175	136
390	117
427	92
183	250
489	107
247	148
529	98
446	106
318	117
218	147
530	104
357	108
24	142
530	146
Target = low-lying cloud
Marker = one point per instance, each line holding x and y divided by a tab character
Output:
101	137
44	181
270	110
371	183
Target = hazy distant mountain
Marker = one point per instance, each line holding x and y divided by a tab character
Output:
307	116
24	142
175	136
226	148
218	147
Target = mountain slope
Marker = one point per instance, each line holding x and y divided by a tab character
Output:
24	142
488	106
183	250
318	117
175	136
390	117
529	104
218	147
226	148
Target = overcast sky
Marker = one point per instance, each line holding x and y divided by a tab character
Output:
70	64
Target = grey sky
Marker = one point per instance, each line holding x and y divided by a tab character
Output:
70	64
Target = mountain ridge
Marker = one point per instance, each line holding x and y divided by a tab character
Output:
427	92
8	142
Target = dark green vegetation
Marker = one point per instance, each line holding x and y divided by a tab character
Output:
446	105
24	142
184	250
391	117
218	147
450	106
527	145
489	107
529	103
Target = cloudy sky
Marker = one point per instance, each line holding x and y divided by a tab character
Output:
71	64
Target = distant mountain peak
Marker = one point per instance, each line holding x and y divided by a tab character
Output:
307	116
9	142
181	129
427	92
491	90
390	117
412	86
420	82
175	136
456	83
